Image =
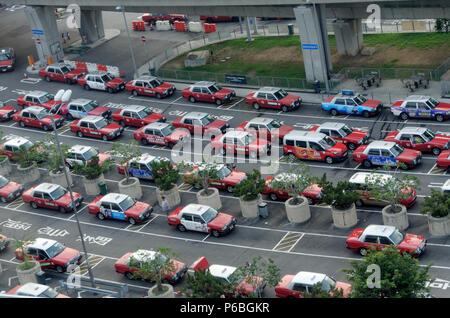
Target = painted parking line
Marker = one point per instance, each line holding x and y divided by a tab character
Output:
436	170
229	105
288	241
94	260
140	226
185	186
15	204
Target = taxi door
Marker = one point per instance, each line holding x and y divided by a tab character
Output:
188	222
136	120
418	143
272	102
375	157
147	89
32	120
200	224
99	84
117	213
44	260
423	110
351	106
301	150
58	75
241	148
48	202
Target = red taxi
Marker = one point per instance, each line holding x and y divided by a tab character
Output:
161	134
97	127
150	86
6	112
9	190
7	59
273	97
241	142
313	193
208	92
51	196
202	123
268	127
137	116
350	137
443	160
61	73
39	117
39	98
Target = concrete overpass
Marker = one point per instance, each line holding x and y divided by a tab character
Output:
311	18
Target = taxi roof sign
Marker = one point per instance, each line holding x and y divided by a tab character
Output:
347	92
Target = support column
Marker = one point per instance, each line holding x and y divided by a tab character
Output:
43	20
91	25
255	27
311	23
247	26
349	36
240	24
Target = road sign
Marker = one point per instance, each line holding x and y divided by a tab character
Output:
310	46
235	79
143	39
37	32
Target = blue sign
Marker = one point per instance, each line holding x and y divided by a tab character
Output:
310	46
235	79
37	32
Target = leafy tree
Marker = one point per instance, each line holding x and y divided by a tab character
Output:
127	152
438	204
400	275
442	25
201	284
93	169
54	158
202	177
250	187
318	292
27	157
27	261
342	196
164	174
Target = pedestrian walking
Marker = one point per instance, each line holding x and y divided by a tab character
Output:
64	36
165	205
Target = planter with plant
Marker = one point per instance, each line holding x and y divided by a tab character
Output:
92	173
26	271
127	152
166	177
341	197
28	161
392	190
437	208
295	182
55	163
249	193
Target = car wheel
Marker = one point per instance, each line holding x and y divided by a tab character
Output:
3	199
359	203
100	216
33	205
366	114
129	275
215	233
310	201
436	151
256	106
333	112
86	87
105	138
404	116
158	96
192	99
362	251
351	146
47	78
69	116
329	160
218	102
367	164
69	81
59	269
230	189
45	127
144	141
284	109
132	221
135	93
170	145
181	228
21	124
273	197
80	134
62	209
439	118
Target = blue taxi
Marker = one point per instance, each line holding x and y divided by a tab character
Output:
349	102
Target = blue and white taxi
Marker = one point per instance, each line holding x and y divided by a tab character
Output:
416	106
349	102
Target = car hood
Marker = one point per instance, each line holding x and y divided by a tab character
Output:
372	103
408	155
111	127
74	73
443	106
48	119
235	177
282	131
346	288
115	82
411	242
177	134
102	157
440	140
313	190
164	86
339	147
152	118
10	187
285	280
247	288
98	111
65	256
289	99
217	124
221	220
137	209
65	199
258	143
223	92
6	109
357	135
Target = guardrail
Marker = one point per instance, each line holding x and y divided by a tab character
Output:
122	289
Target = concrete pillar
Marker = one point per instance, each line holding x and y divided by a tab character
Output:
255	27
311	23
240	24
349	36
42	20
247	26
91	25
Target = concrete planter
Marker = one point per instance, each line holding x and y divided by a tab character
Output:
5	167
298	213
28	175
28	276
60	178
250	208
212	200
398	219
133	189
91	186
172	196
168	294
439	226
343	219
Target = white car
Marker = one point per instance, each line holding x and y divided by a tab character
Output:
80	154
102	81
446	186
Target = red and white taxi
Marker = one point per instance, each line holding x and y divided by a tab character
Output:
9	190
10	147
295	286
208	92
313	146
130	263
50	254
443	160
150	86
119	206
97	127
421	139
161	134
102	81
201	218
51	196
39	117
61	73
7	59
241	142
138	116
81	107
40	98
35	290
226	179
6	111
197	122
80	154
313	193
273	97
381	236
350	137
266	127
381	153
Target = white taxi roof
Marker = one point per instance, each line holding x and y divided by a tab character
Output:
195	115
80	101
134	108
145	158
92	119
41	243
16	142
143	255
197	209
47	187
331	125
235	134
360	177
217	166
79	149
260	120
31	289
305	135
59	65
145	78
157	125
268	89
204	83
221	271
446	186
417	98
35	109
412	130
98	73
308	278
381	230
114	198
36	93
285	176
380	144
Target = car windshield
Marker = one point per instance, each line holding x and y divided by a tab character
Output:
248	139
428	135
360	99
127	203
65	69
396	237
156	83
328	284
58	192
345	131
101	123
166	131
144	113
432	102
209	215
46	98
3	181
107	78
397	150
223	173
5	56
327	142
90	153
27	145
280	94
90	106
42	114
208	119
49	293
214	88
274	124
55	249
